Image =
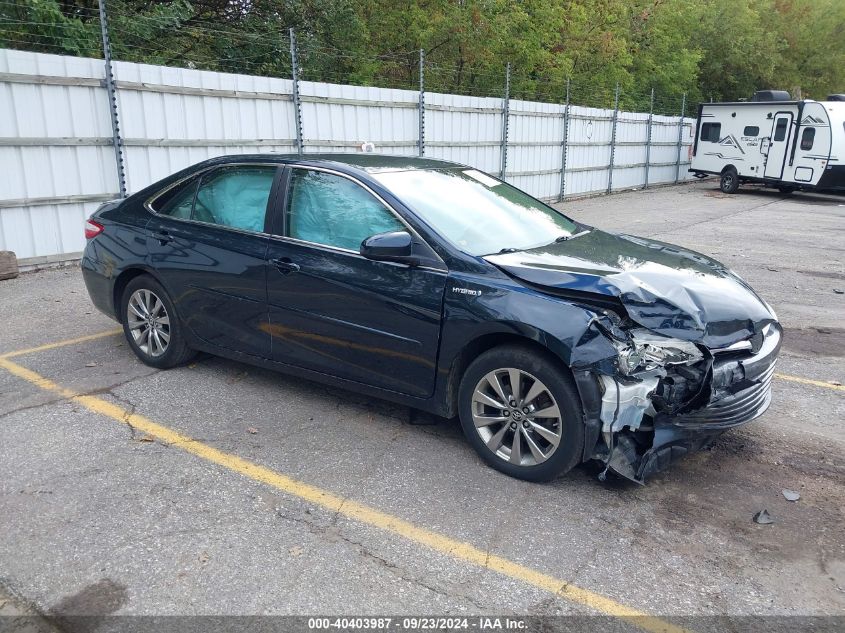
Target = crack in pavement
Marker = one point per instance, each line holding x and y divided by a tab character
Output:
22	614
407	577
128	407
30	407
717	219
333	533
104	390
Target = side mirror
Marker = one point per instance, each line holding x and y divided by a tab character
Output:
395	246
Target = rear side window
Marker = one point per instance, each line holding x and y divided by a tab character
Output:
751	130
235	197
229	196
780	129
328	209
807	138
711	132
178	202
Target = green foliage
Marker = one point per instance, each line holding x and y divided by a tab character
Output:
816	28
719	49
740	53
46	26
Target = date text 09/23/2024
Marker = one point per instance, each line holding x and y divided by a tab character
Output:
481	623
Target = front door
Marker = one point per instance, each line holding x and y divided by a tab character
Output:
338	313
779	145
208	245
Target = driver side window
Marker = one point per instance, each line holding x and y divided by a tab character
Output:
327	209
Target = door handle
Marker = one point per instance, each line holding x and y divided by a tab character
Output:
163	237
284	265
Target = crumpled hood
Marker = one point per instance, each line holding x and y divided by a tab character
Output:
665	288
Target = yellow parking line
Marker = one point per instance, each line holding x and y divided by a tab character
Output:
349	508
807	381
72	341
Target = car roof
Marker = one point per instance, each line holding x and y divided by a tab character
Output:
369	162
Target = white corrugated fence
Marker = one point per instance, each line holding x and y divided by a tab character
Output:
57	159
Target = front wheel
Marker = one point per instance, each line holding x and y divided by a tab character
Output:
729	182
521	412
151	326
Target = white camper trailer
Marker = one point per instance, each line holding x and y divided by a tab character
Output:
774	141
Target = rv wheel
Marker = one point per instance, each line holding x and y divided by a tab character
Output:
786	190
729	182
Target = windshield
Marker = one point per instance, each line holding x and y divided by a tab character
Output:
477	213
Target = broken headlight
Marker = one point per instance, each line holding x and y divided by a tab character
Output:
645	351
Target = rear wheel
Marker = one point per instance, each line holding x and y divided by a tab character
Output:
151	326
786	190
521	413
729	182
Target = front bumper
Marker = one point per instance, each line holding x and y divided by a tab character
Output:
741	388
640	440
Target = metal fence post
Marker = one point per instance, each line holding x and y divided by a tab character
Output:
117	143
613	138
648	139
563	151
422	103
680	137
297	105
505	113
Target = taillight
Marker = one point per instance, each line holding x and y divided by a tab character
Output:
92	229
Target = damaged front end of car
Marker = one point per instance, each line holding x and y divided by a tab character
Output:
679	347
669	396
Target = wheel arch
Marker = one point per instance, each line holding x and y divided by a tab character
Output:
487	341
120	283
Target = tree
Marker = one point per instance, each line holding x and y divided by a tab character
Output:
720	49
47	27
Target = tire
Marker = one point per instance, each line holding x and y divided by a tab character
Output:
157	340
555	388
786	190
729	182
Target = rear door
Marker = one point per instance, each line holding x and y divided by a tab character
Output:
813	146
779	145
207	242
336	312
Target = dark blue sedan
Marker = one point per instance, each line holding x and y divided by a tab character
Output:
435	285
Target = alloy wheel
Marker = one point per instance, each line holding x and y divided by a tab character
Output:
148	322
516	416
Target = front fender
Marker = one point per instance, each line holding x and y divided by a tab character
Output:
490	309
566	328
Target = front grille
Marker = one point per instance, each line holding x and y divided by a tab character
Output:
727	409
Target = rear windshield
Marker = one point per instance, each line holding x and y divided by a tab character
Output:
477	213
